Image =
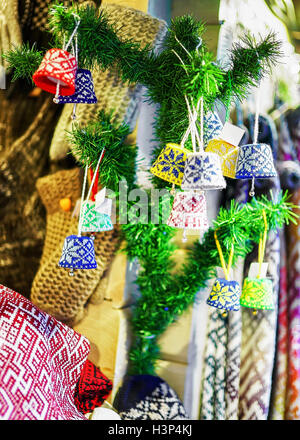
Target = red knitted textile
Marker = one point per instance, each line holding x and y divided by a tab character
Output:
92	388
57	66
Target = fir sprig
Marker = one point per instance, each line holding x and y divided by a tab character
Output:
23	61
250	60
119	161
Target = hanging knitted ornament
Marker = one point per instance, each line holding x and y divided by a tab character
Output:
91	219
212	127
255	160
169	165
78	253
189	212
226	146
94	221
257	293
57	71
84	90
225	293
202	170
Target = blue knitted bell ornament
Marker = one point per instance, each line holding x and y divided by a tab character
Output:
84	90
225	293
255	161
78	253
94	221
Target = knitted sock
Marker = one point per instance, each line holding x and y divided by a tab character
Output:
111	92
53	290
146	397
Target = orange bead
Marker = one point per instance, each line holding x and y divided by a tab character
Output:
65	204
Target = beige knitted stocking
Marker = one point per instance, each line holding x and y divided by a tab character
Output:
53	289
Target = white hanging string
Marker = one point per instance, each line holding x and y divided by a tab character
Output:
82	199
95	173
73	116
65	47
74	31
192	126
256	122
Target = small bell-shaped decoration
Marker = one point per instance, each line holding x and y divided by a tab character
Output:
84	90
226	146
255	161
169	165
212	127
94	221
58	68
257	293
189	211
78	253
225	293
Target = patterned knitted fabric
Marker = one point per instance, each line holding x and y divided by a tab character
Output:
10	31
233	354
213	401
145	397
92	388
279	387
258	342
26	128
292	410
53	290
39	19
111	92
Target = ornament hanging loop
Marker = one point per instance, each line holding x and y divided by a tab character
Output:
262	244
227	269
65	47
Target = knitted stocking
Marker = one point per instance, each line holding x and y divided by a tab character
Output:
111	92
26	128
53	290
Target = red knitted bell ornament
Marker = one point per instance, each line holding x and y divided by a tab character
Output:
57	66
